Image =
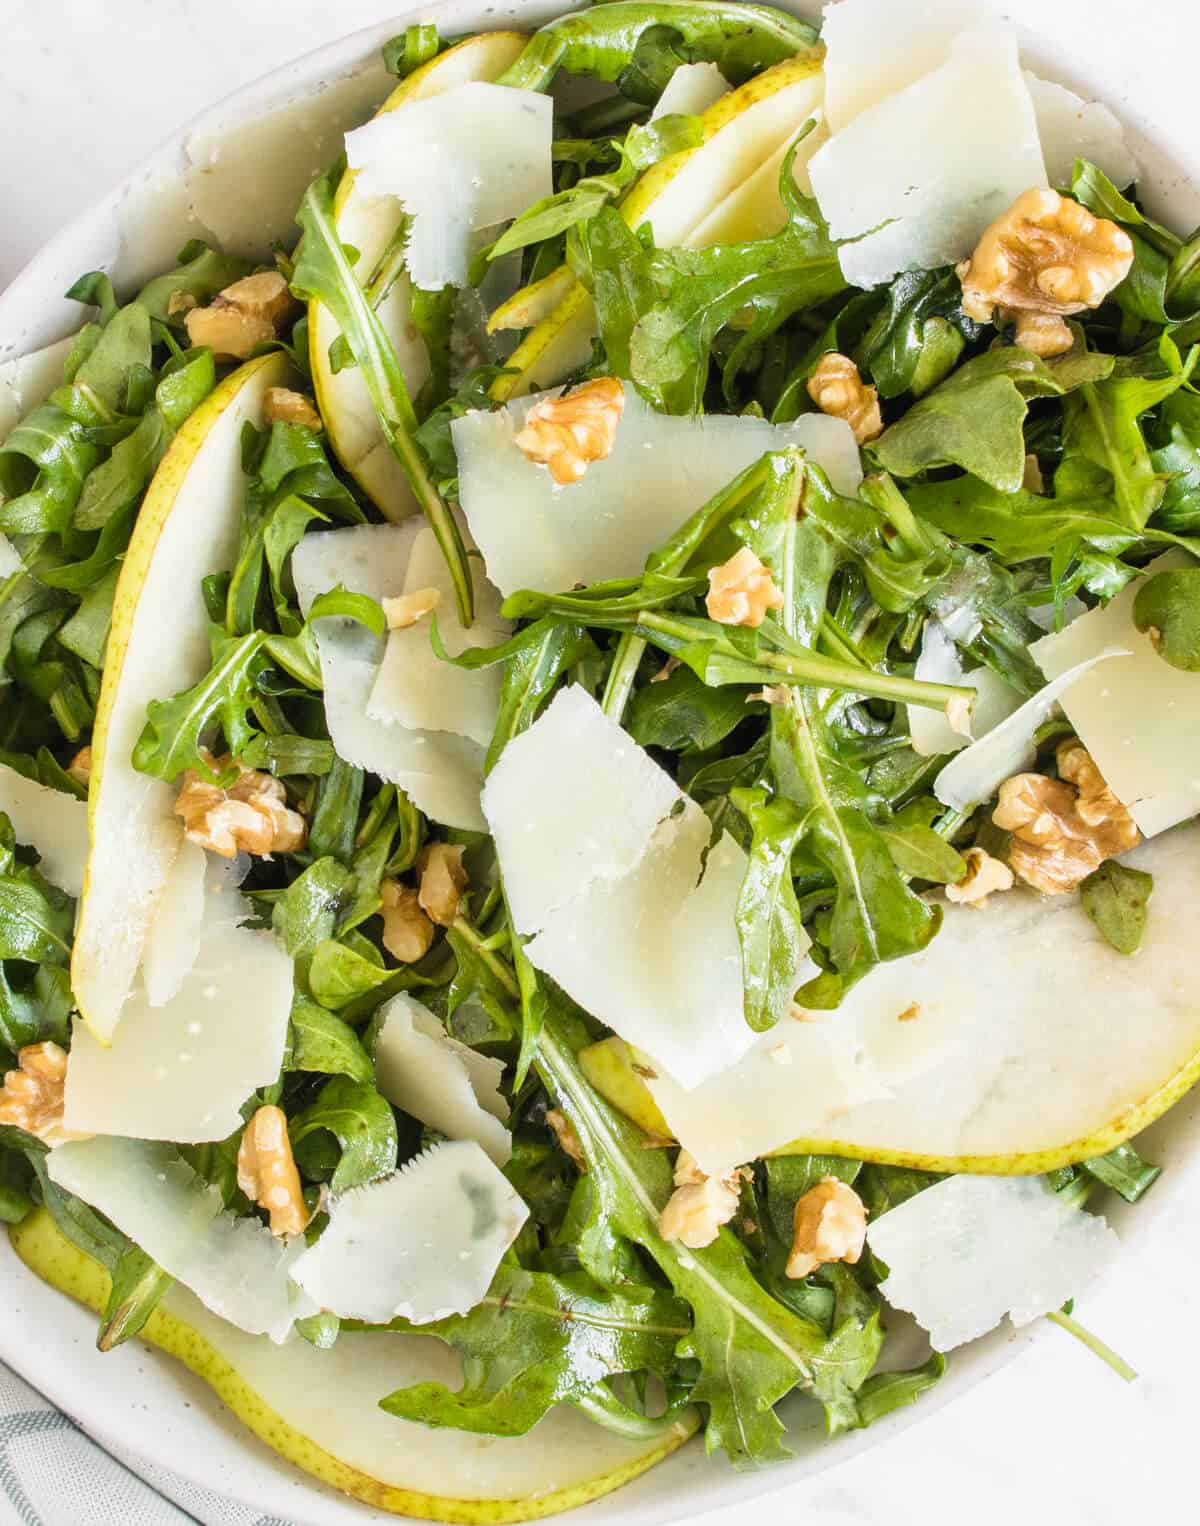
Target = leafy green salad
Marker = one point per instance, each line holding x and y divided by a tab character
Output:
598	757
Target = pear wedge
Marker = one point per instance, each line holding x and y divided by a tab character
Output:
187	527
742	131
369	224
319	1409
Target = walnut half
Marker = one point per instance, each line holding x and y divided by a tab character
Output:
566	434
1062	829
407	931
829	1224
243	316
741	590
266	1171
251	816
1044	258
32	1096
838	389
985	875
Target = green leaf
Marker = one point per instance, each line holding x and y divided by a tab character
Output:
1124	1170
44	462
1168	606
918	851
138	1286
415	46
340	604
770	927
172	738
86	632
888	1391
37	920
536	1340
362	1123
319	1041
1117	899
922	330
309	910
682	714
100	387
1143	292
339	976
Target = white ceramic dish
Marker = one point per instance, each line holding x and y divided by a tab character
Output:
239	170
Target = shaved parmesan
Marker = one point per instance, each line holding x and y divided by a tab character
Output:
441	772
1006	749
181	1067
490	142
27	380
1024	1034
415	688
10	561
1139	718
236	1267
874	48
420	1245
691	89
572	801
967	1251
930	730
535	534
420	1069
1071	128
916	178
51	821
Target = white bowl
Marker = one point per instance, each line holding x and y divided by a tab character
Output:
242	166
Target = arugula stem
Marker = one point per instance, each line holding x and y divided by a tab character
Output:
487	956
602	1405
1094	1344
621	676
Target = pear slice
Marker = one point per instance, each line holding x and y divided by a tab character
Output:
1017	1042
741	131
370	224
188	526
319	1409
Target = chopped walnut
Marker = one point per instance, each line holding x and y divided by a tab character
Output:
1044	258
1062	829
984	875
251	816
80	766
32	1096
241	317
180	302
407	931
838	389
408	608
830	1224
443	880
741	590
266	1171
568	1140
566	434
281	404
700	1204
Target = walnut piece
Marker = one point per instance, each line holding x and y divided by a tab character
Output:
1044	258
80	766
407	931
266	1171
838	389
281	404
829	1224
568	1140
241	317
443	880
1062	829
741	590
700	1204
566	434
32	1096
984	875
251	816
408	608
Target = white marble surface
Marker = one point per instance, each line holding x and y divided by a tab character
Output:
85	88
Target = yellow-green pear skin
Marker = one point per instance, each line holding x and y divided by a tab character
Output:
53	1258
612	1070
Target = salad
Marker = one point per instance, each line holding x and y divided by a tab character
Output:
598	756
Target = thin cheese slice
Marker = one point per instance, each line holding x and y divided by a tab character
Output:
442	772
421	1244
967	1251
236	1267
181	1069
535	534
490	142
572	801
450	1087
691	89
1071	128
915	179
51	821
415	688
1017	1034
26	380
173	937
10	562
1139	718
938	662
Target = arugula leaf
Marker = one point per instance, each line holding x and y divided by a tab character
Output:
363	1124
1143	292
917	339
44	462
888	1391
1117	899
917	850
770	928
682	714
601	42
1124	1170
340	977
536	1340
415	46
172	739
319	1041
309	910
1168	606
37	919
